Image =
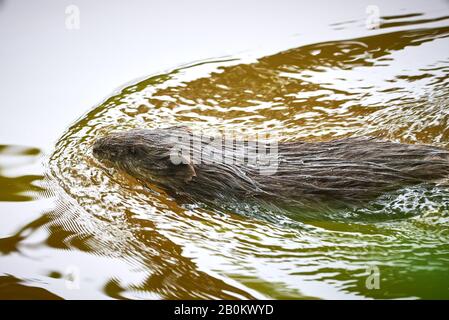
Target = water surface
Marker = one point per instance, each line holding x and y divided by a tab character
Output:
82	231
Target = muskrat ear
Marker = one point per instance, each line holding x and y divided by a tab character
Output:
185	169
190	172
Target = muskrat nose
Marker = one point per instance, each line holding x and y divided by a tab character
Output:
97	149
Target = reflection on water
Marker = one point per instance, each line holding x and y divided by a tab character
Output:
137	250
110	236
11	288
22	187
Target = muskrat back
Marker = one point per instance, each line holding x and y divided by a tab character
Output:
343	171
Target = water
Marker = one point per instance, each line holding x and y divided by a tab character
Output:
82	232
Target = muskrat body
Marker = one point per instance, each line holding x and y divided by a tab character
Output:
347	171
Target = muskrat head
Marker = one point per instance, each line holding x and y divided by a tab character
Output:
144	154
113	148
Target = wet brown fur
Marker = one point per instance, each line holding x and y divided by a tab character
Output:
345	171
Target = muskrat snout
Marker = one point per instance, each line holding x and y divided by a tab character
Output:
103	149
117	147
97	149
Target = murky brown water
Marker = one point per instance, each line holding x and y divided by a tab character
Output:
113	238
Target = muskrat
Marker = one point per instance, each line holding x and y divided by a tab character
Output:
346	171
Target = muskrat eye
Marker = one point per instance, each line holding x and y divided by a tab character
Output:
133	150
137	150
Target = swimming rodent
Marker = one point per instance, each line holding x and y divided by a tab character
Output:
345	171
